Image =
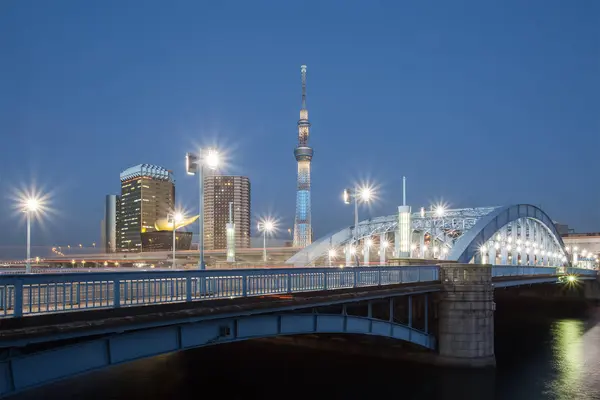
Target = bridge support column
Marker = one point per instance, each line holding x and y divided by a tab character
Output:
591	290
466	316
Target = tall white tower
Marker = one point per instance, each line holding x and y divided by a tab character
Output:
303	153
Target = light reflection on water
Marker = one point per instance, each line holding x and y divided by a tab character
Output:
557	359
576	361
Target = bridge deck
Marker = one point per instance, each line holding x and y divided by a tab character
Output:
27	295
65	303
21	331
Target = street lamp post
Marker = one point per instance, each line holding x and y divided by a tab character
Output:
31	206
28	264
194	164
266	226
355	194
174	219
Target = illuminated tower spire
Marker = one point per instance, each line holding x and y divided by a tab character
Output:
303	153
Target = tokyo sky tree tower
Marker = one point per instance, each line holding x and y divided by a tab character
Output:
303	153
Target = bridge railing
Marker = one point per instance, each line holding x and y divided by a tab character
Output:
512	270
34	294
581	271
499	271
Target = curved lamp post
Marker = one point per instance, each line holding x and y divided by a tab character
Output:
30	206
354	195
194	164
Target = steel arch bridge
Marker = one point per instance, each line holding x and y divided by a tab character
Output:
520	234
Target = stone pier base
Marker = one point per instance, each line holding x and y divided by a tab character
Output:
466	316
591	290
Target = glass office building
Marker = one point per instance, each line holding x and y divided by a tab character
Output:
147	194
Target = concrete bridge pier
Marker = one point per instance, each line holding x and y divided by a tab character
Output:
466	316
591	290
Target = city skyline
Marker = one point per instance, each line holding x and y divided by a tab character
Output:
480	131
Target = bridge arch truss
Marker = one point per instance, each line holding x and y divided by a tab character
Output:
520	234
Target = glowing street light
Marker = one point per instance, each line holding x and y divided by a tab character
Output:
30	206
356	194
174	218
266	226
194	164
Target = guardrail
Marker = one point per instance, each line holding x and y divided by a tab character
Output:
34	294
499	271
581	271
22	271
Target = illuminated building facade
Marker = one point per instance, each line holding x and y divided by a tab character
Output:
147	195
219	191
303	154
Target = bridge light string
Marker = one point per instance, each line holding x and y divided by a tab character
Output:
440	210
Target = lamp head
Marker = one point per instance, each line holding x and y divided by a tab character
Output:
32	204
212	159
346	196
191	161
365	194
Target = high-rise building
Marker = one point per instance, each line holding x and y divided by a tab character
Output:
219	191
303	153
109	223
147	194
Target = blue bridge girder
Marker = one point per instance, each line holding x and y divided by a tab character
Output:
27	297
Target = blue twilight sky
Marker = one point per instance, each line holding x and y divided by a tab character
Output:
477	102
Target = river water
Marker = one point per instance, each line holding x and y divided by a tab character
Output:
537	358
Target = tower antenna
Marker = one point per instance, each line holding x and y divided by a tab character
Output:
303	72
303	153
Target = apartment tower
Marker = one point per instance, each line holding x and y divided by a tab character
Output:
219	191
